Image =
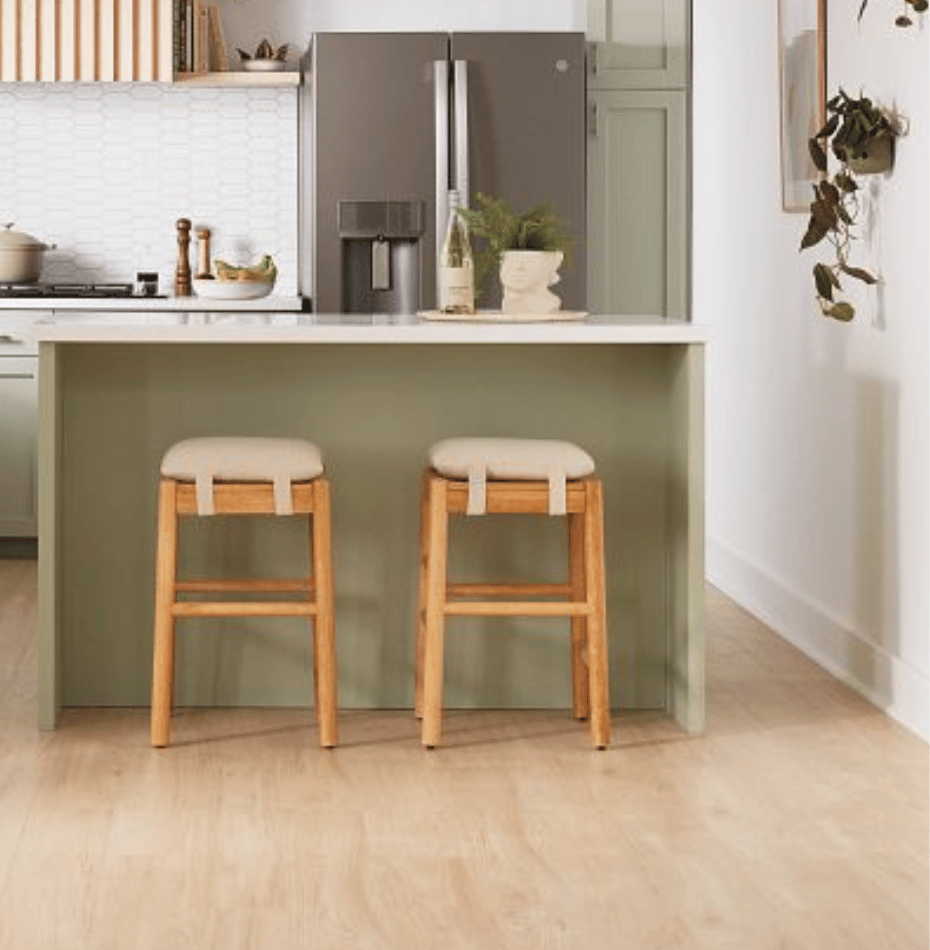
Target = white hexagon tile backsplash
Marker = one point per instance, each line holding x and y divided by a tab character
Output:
104	172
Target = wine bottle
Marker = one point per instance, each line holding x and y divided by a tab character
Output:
456	265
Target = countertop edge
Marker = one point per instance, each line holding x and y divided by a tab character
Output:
313	332
77	305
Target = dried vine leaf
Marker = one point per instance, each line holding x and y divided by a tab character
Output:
858	273
840	311
823	280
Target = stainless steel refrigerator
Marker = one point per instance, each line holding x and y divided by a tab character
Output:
390	122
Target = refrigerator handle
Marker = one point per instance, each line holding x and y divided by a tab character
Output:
461	131
441	96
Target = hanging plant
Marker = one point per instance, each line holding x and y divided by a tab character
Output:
861	138
903	19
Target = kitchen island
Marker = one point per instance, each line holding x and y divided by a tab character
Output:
117	388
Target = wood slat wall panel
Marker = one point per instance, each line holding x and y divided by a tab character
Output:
67	40
106	40
125	26
145	39
87	40
87	46
9	34
47	52
28	39
164	41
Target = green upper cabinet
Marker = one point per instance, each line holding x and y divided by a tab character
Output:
639	44
638	76
637	203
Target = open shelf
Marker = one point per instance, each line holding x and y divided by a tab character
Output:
240	79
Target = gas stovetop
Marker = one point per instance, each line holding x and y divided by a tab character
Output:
73	290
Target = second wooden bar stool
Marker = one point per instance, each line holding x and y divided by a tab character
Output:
244	476
524	476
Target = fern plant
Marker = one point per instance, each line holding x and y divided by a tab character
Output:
499	229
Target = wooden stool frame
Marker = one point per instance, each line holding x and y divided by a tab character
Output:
178	499
583	593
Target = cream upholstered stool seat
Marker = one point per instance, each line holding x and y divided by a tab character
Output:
501	476
240	476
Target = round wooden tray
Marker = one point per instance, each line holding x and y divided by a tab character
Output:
497	316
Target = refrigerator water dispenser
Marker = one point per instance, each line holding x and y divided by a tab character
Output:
380	258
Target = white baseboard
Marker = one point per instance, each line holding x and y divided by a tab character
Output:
898	688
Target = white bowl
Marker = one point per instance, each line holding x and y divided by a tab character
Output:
232	289
264	65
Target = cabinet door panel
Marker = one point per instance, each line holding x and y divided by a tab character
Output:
644	45
18	395
637	233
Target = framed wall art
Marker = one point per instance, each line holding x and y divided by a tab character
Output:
802	62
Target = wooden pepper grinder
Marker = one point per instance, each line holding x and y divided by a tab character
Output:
203	254
182	276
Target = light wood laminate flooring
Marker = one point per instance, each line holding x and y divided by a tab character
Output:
798	822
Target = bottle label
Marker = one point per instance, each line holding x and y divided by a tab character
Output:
456	290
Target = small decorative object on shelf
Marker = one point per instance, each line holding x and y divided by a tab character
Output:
203	254
238	283
537	236
265	270
265	59
199	46
456	290
182	275
861	137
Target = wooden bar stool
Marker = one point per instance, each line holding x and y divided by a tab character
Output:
523	476
244	476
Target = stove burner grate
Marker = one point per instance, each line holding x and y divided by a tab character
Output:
66	290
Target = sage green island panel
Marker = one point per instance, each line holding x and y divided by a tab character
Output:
644	46
109	411
50	520
637	234
686	542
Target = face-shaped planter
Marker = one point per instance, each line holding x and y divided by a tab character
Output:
526	277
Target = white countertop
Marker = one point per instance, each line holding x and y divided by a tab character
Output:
149	327
150	304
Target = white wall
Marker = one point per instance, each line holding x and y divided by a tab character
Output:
247	21
818	432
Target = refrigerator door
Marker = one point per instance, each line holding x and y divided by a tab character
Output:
368	141
526	131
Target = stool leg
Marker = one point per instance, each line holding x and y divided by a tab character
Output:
421	600
166	558
324	639
312	597
597	619
576	578
433	640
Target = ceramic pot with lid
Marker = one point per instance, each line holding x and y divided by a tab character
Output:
20	256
